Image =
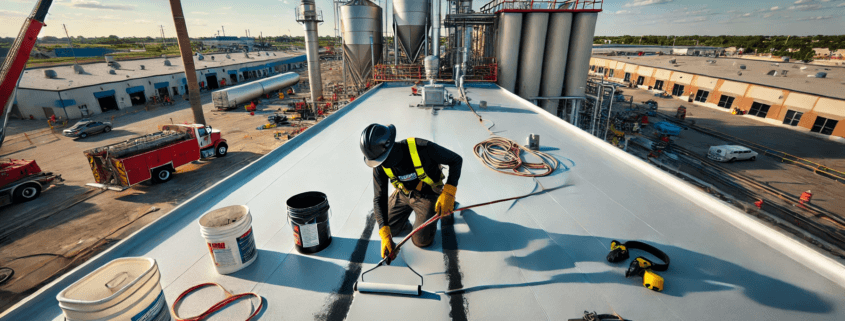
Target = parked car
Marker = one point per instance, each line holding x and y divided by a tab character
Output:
731	153
87	127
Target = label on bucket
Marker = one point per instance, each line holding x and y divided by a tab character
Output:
246	245
221	255
310	236
155	312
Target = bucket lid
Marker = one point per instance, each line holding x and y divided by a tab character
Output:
108	282
224	216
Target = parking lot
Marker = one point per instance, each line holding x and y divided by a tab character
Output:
70	221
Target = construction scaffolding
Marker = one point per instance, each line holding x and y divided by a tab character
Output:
485	71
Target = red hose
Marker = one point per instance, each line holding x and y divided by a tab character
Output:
217	306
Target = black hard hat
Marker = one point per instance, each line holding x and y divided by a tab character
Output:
376	142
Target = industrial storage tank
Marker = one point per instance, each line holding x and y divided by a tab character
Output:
554	64
361	21
510	34
229	98
411	17
580	50
531	58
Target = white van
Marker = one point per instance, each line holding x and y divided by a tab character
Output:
731	153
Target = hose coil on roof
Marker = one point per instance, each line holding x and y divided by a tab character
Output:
505	156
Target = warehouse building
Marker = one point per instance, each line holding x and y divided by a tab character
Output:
76	92
804	97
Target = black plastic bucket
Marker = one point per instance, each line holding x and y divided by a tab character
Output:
308	214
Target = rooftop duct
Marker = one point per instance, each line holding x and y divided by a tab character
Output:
821	75
742	67
50	73
78	69
200	56
112	72
143	67
167	62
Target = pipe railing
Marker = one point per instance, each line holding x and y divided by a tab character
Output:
496	6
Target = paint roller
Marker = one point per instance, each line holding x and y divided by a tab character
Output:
416	290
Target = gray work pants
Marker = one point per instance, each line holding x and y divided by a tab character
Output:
399	210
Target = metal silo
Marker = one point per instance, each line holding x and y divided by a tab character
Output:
580	49
510	29
411	17
531	57
360	22
554	64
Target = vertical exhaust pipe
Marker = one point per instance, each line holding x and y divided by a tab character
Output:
432	63
308	18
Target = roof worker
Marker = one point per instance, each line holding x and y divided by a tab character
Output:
413	166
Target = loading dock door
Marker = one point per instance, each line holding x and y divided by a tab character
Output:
211	81
106	100
107	103
136	95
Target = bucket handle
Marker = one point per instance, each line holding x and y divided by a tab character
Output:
117	281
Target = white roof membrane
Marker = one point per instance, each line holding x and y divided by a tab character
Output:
541	257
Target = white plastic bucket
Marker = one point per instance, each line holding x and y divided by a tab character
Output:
123	289
228	236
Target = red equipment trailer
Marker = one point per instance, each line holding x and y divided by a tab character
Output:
22	181
155	156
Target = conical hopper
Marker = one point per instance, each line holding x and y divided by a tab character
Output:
411	17
360	20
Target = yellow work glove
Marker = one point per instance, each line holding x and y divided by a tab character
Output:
387	244
446	202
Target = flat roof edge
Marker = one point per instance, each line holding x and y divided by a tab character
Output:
200	203
803	254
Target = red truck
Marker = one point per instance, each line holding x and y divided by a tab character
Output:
22	181
155	156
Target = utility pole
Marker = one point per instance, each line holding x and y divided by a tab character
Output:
162	37
187	60
70	42
224	30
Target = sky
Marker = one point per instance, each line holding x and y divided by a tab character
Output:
142	18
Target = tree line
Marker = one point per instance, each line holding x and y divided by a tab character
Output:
777	45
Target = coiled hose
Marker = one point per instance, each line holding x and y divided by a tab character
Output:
504	156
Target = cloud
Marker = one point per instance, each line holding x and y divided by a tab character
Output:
841	5
199	13
639	3
768	15
90	4
623	11
747	15
9	13
775	8
806	7
815	18
226	8
803	1
691	20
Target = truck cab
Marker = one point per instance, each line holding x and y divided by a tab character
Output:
22	181
209	139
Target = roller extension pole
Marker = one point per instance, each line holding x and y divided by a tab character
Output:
188	61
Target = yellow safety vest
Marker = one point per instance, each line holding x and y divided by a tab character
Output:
421	175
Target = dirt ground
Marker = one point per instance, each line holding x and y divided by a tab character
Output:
71	222
790	179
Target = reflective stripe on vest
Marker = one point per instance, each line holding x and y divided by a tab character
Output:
421	175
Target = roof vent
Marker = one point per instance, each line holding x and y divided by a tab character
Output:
143	67
112	72
109	59
772	73
711	62
200	56
673	61
167	62
78	69
742	67
785	59
739	73
50	73
274	54
783	72
268	54
227	56
821	75
114	65
212	57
